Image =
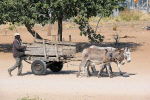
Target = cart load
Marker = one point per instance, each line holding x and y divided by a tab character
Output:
47	54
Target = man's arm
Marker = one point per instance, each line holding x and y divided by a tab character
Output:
18	46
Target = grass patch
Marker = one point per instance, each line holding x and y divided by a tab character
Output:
29	98
125	16
130	15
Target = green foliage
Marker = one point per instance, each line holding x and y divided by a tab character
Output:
23	11
87	30
31	12
11	27
63	8
92	8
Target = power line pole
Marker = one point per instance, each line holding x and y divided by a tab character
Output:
147	6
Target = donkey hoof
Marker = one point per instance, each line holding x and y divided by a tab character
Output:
99	76
87	75
121	74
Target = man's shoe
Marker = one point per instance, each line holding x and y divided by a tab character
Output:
9	72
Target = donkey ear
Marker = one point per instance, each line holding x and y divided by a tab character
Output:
122	49
117	49
106	50
129	49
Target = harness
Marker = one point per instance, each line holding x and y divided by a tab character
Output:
119	58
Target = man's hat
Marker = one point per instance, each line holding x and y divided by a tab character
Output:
16	34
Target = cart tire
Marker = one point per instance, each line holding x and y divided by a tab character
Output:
55	66
38	67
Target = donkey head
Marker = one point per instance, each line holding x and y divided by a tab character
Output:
123	55
127	55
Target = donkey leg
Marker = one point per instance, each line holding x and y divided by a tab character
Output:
86	69
78	74
110	68
93	68
82	65
118	65
108	71
106	68
100	71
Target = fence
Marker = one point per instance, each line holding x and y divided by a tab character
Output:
142	5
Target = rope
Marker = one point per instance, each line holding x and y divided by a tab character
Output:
73	64
27	61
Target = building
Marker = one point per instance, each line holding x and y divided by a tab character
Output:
142	5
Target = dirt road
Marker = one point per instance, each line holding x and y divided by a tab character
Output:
65	86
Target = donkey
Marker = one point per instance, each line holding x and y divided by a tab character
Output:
103	56
106	66
93	56
120	57
125	55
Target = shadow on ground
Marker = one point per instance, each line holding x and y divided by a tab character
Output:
53	73
27	73
6	48
104	74
115	74
61	72
82	45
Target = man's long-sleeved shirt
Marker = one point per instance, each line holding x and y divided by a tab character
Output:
17	48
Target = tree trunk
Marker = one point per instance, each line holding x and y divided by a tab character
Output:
33	33
49	30
60	28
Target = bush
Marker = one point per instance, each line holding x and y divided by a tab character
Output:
126	15
11	27
132	15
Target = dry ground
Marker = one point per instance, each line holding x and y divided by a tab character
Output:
65	86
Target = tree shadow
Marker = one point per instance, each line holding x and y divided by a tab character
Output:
82	45
6	48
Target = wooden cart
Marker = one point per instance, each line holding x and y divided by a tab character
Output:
46	54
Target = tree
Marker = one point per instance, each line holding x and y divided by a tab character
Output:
62	10
82	10
90	8
25	12
31	12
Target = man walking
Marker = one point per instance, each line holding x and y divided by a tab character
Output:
18	53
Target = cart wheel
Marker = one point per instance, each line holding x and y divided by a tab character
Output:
55	66
38	67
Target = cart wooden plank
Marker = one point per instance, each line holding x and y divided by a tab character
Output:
51	49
